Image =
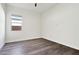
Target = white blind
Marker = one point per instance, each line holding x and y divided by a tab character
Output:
16	20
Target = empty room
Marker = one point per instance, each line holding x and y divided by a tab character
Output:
39	28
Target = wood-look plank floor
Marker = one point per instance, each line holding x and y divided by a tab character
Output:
37	47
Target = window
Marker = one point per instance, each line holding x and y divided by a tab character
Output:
16	22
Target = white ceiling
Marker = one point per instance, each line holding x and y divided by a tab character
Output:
30	6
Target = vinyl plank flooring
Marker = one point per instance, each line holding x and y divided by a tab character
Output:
38	46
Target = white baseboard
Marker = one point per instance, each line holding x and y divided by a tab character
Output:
23	39
74	47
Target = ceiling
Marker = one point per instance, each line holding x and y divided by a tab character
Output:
41	7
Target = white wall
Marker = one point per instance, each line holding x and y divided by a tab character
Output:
2	27
61	24
30	26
